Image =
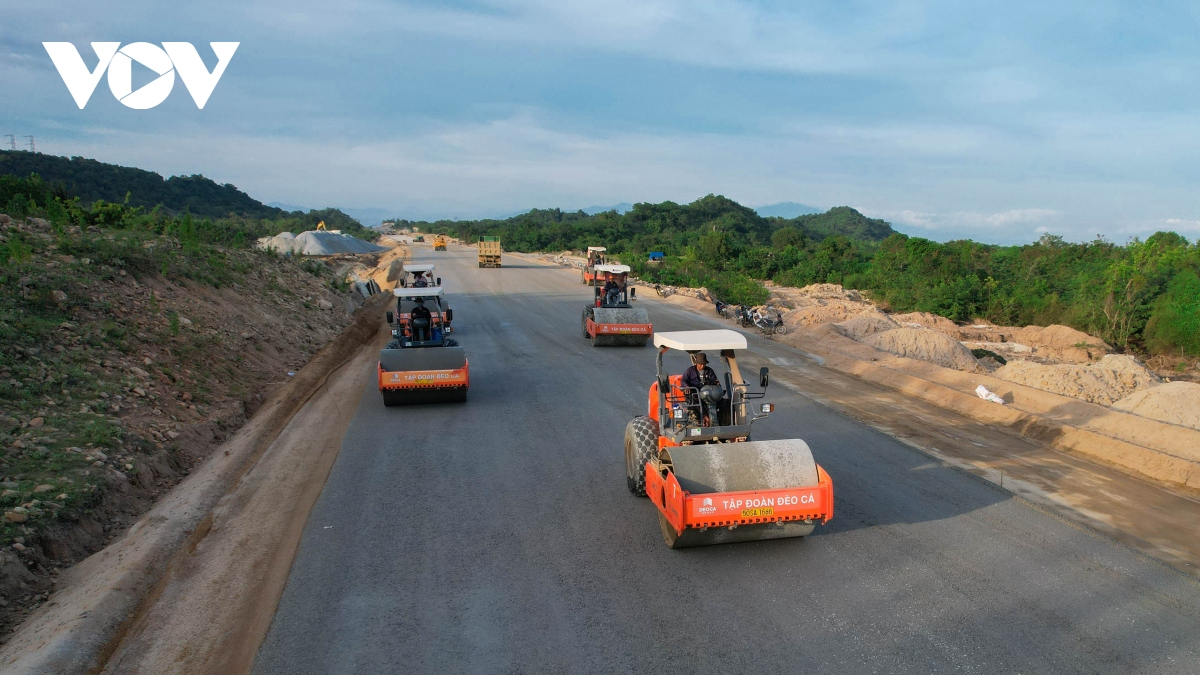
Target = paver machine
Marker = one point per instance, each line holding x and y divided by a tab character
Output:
610	319
422	364
691	454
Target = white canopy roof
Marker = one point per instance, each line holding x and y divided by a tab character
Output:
612	269
596	248
693	340
419	267
410	292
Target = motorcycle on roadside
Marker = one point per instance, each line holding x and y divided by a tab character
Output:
768	322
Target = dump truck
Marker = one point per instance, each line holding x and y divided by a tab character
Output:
610	318
692	456
422	364
489	251
439	242
595	256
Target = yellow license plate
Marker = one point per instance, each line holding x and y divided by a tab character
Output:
757	513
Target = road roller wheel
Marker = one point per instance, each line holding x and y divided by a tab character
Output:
587	314
641	445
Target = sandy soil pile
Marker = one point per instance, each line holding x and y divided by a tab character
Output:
824	303
927	320
1173	402
1105	382
1062	343
861	327
926	345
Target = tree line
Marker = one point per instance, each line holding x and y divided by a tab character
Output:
32	196
1142	295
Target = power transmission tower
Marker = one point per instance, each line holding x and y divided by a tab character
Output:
32	147
12	140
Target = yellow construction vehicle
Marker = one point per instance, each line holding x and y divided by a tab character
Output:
439	242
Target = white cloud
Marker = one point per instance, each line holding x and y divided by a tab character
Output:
1180	225
970	219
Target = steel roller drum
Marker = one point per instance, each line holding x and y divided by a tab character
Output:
614	315
734	467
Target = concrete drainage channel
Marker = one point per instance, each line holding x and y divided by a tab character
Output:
105	615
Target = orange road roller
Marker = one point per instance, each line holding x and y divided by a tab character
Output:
422	364
693	457
610	318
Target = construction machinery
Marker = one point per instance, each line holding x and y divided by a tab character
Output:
415	273
489	251
595	256
420	276
422	364
439	242
693	457
610	318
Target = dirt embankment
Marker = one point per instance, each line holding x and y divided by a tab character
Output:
119	381
1059	386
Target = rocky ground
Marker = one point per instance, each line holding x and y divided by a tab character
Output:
125	359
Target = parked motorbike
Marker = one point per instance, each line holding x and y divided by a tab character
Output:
769	322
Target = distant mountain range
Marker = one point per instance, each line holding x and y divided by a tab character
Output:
787	210
623	207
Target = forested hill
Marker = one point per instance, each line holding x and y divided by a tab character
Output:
91	180
667	227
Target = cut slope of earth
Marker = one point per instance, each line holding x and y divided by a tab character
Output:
124	360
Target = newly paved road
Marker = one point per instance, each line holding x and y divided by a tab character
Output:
497	536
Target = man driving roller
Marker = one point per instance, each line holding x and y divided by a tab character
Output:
697	376
420	311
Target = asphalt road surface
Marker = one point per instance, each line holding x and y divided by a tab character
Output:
497	536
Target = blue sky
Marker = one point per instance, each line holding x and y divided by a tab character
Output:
947	119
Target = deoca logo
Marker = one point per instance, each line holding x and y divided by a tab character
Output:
171	58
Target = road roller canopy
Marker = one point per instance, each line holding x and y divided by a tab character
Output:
613	269
427	292
697	340
418	268
596	248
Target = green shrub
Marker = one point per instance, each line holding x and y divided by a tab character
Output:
1174	324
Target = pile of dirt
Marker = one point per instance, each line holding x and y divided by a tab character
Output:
317	243
1062	343
861	327
824	303
1172	402
1105	382
927	320
925	345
